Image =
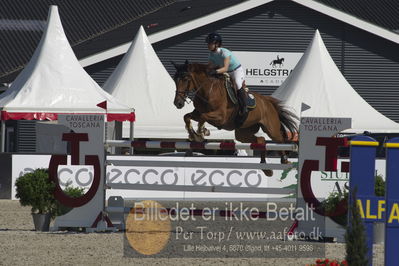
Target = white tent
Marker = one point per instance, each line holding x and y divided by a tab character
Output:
140	81
317	82
54	82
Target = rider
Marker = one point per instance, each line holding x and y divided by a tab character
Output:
227	62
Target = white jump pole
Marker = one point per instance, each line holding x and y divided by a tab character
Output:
202	145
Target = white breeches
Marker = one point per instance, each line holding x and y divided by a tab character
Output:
238	76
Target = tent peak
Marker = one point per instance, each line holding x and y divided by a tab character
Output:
318	82
54	82
53	8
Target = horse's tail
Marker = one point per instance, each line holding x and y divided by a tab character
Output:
287	120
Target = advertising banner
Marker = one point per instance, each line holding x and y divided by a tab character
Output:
267	68
323	182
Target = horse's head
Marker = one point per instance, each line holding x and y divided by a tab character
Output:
184	84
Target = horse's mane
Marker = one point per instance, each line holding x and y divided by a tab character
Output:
198	68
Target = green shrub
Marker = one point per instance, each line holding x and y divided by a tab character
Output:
60	209
355	236
379	186
330	203
35	189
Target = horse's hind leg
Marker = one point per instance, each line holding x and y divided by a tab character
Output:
274	132
247	135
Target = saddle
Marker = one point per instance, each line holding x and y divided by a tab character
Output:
232	92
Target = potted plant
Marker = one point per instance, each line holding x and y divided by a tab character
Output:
329	205
36	190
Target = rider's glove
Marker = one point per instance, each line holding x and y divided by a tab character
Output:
212	72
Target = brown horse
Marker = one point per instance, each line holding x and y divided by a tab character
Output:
213	105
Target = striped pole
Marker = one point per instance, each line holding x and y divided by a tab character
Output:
202	145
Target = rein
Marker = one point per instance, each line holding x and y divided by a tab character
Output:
191	95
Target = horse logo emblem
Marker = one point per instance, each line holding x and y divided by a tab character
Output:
279	61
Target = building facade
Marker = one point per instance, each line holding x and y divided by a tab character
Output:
368	62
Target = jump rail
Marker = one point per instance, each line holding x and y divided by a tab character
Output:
201	145
195	164
223	189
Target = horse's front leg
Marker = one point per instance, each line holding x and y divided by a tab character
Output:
202	130
192	135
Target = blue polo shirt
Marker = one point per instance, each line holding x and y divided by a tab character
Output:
217	58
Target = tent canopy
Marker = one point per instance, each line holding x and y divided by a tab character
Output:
317	82
54	82
140	81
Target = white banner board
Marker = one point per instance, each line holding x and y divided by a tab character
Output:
267	68
82	176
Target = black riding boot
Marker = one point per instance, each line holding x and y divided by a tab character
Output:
242	101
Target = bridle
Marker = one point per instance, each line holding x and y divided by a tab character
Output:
187	93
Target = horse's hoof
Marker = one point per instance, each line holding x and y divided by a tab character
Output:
198	138
284	161
206	132
191	137
268	172
203	131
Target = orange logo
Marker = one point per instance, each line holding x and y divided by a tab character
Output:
148	227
